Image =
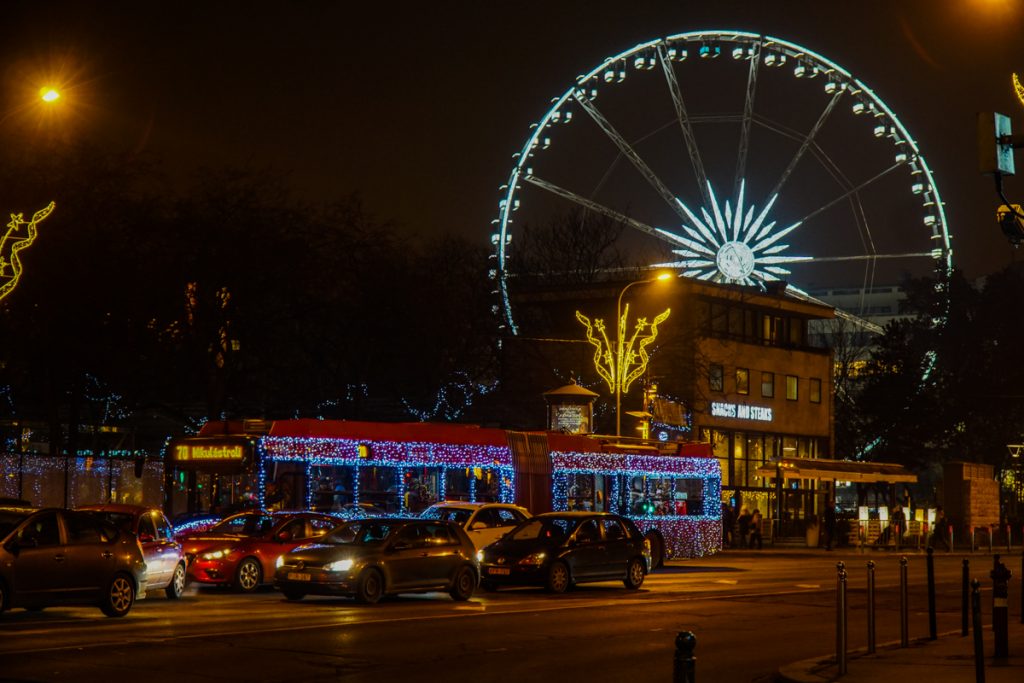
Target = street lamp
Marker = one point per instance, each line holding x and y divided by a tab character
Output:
620	327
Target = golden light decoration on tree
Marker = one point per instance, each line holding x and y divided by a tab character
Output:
13	240
1018	88
623	365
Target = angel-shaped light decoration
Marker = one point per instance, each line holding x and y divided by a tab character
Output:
12	241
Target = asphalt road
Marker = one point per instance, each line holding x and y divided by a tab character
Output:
751	612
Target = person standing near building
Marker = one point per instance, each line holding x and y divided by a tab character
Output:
755	529
830	523
898	524
744	526
939	530
728	523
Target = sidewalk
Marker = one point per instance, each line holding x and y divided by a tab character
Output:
949	658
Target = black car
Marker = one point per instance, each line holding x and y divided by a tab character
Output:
559	549
64	557
373	557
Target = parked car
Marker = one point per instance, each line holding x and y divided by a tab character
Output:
64	557
373	557
241	550
559	549
484	522
165	559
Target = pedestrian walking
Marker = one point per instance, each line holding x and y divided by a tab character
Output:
728	524
938	536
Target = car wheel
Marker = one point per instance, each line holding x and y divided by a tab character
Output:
464	585
177	585
657	551
293	594
370	588
489	586
634	574
120	596
249	575
558	578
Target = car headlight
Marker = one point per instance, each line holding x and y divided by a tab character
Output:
479	555
338	566
217	554
535	560
279	562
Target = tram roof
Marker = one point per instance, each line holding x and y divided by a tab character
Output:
422	432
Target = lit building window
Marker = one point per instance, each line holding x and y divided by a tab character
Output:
742	381
715	375
792	391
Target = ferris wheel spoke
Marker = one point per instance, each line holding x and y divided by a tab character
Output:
851	191
872	257
685	124
808	139
748	114
594	206
631	154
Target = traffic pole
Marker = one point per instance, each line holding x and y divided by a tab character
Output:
684	669
965	603
1000	608
871	607
932	627
841	639
904	617
979	643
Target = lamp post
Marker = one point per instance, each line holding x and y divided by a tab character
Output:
620	329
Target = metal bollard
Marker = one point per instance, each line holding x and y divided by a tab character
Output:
871	607
904	607
979	643
965	602
1000	608
1009	539
684	668
841	618
932	627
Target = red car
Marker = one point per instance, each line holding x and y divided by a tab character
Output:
165	560
241	550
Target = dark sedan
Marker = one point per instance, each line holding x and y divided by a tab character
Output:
370	558
62	557
559	549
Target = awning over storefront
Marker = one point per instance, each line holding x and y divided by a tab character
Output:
841	470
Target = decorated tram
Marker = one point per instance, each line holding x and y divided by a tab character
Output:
671	490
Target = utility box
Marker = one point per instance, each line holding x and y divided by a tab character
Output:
971	494
995	149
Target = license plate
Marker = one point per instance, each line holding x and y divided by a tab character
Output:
501	571
295	576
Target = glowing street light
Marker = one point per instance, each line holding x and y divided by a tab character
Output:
48	94
622	356
619	368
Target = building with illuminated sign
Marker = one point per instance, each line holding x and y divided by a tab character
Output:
738	360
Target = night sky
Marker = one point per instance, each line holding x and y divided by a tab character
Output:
419	107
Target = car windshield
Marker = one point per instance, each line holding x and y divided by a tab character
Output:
359	533
10	519
250	524
447	514
553	528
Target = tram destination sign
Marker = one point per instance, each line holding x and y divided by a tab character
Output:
741	411
215	455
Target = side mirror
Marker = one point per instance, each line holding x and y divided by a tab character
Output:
12	547
146	538
283	536
474	526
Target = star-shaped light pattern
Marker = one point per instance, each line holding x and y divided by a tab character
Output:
731	246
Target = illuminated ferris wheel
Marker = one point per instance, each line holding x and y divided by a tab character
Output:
731	157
